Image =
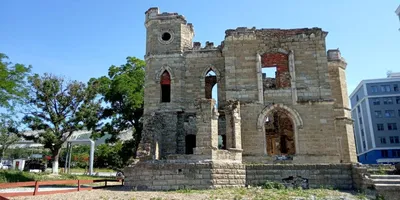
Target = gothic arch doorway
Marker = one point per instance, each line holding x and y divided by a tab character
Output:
279	133
280	125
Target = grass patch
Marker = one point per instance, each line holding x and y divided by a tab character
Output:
185	191
273	185
274	192
80	170
11	176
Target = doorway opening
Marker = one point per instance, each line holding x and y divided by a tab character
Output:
279	133
190	141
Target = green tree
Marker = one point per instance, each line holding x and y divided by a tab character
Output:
109	156
122	91
12	81
56	108
8	134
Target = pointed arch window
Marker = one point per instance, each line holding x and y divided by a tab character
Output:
210	83
165	83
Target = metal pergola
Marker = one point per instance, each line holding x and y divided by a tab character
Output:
69	152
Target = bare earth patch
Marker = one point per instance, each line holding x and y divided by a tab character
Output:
231	193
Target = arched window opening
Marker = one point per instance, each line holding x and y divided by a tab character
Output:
211	86
165	87
190	141
279	132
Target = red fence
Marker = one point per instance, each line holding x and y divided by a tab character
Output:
36	184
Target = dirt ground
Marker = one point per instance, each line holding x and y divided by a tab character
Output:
235	193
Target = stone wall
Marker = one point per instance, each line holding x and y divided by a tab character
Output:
311	86
173	176
337	176
361	179
162	175
242	45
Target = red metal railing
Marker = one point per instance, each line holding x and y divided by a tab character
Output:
36	184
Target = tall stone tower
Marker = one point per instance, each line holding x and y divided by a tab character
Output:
167	36
166	33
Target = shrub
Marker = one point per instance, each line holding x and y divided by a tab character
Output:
273	185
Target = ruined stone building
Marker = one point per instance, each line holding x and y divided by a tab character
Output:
297	113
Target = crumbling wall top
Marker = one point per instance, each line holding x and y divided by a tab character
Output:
154	14
277	33
209	46
335	55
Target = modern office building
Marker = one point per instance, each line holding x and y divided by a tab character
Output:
376	113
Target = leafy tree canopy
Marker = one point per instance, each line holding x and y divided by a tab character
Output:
56	108
12	82
8	134
122	90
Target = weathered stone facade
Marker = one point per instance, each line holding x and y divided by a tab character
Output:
300	115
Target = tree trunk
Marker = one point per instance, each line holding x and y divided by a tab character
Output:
56	156
3	151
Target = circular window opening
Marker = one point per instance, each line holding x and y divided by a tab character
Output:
166	36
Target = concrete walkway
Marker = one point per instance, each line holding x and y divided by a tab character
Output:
41	189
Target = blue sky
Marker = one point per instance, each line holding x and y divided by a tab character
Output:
81	39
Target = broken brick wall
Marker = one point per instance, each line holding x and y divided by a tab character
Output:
281	62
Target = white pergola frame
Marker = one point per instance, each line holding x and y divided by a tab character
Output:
68	157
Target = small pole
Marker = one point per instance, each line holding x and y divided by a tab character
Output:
105	183
36	188
66	159
79	185
69	158
92	147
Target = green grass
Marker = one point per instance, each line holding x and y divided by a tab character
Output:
10	176
80	170
272	194
270	191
